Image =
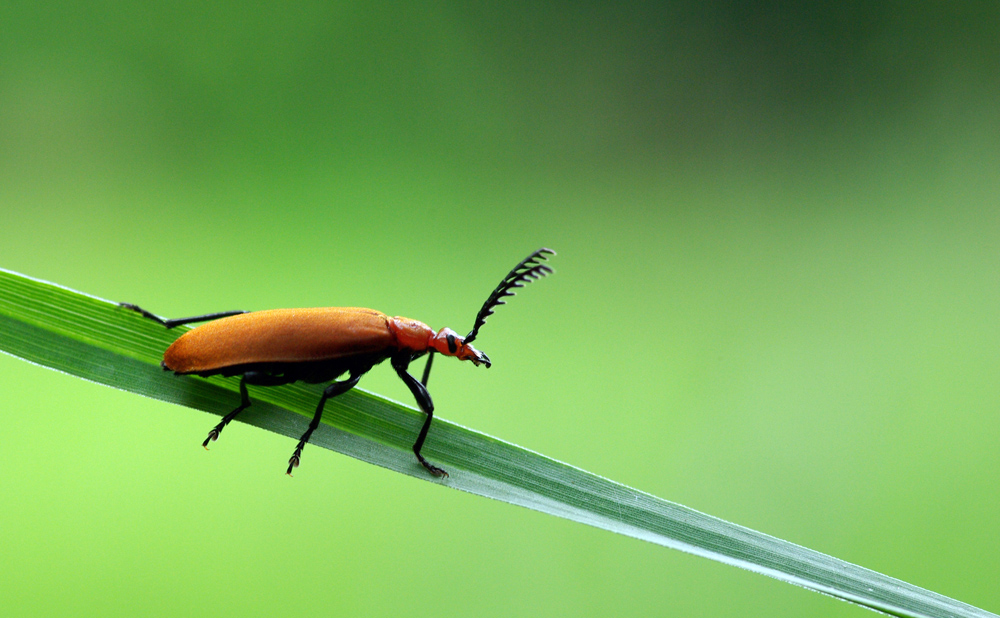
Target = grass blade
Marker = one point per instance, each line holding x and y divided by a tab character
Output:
99	341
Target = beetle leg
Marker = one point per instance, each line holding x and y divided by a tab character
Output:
400	363
337	388
179	321
244	404
427	367
250	377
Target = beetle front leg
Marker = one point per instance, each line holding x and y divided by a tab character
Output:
427	367
400	363
337	388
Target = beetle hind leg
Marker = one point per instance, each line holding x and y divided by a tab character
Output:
251	377
171	323
244	404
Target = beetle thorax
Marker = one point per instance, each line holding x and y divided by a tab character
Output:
417	336
411	334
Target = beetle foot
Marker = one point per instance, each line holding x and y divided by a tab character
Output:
438	472
294	461
212	437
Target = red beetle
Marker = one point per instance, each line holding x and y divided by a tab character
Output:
281	346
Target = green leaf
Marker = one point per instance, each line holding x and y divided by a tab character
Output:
100	341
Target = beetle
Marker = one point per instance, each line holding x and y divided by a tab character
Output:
318	345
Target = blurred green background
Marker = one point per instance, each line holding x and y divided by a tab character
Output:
776	296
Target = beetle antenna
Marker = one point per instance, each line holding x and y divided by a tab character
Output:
528	270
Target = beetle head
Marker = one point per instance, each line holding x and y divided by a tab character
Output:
450	343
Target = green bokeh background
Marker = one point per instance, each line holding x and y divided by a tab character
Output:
776	296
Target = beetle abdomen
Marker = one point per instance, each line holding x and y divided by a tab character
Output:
280	336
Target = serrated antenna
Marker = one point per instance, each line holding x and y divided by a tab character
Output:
528	270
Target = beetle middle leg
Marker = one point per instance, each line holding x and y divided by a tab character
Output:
337	388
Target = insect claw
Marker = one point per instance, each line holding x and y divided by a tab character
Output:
212	436
292	463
